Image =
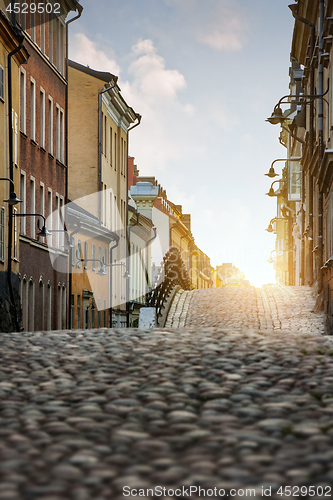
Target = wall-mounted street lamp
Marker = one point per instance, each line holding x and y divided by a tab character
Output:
270	259
270	228
271	191
42	231
12	200
101	270
278	117
126	274
272	173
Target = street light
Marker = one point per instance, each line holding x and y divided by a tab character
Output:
272	173
42	231
270	228
12	200
270	258
271	191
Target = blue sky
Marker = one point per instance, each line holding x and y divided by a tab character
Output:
204	76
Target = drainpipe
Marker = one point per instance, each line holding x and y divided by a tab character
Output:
115	79
311	142
11	176
139	118
117	239
320	146
80	9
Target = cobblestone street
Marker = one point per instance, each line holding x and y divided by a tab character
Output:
236	392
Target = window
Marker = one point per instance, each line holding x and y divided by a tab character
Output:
15	135
93	312
2	234
2	83
110	146
60	45
73	250
93	257
33	26
61	222
104	135
85	255
99	257
78	325
78	253
121	155
32	206
42	31
42	199
104	312
15	249
72	312
60	137
105	260
23	198
115	151
295	179
125	159
31	295
33	109
42	118
49	306
49	208
51	38
41	305
57	221
50	125
99	312
23	101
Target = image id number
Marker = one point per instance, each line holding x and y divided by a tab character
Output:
303	491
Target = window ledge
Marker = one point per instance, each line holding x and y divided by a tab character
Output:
42	149
33	142
51	156
60	163
23	134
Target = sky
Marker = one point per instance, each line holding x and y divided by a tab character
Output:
204	76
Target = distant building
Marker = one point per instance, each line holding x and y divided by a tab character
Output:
229	275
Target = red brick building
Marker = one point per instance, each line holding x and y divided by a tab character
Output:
43	170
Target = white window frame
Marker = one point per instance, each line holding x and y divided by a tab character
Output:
33	109
23	198
42	198
51	36
42	118
295	180
23	100
50	134
42	31
33	221
57	216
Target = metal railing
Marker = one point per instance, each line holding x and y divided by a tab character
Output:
175	274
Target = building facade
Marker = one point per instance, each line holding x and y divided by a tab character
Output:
43	168
99	124
10	41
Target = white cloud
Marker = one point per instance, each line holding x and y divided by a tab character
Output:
86	52
220	24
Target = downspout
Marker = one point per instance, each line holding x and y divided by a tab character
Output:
311	142
128	237
80	9
321	147
139	118
11	176
111	250
115	79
